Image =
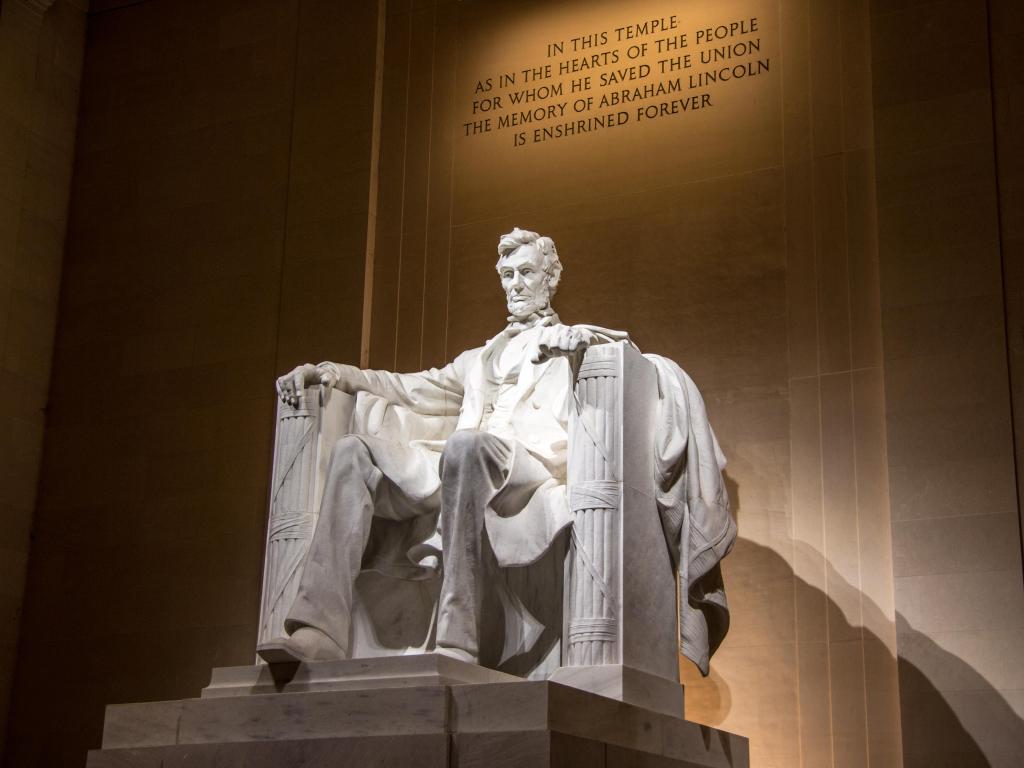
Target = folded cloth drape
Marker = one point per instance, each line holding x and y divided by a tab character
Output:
694	507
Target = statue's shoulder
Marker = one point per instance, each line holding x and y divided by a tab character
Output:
465	360
470	354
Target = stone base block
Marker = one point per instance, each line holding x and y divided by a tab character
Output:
625	684
428	751
351	674
430	719
508	749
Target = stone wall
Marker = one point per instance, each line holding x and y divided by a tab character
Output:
40	64
217	235
956	524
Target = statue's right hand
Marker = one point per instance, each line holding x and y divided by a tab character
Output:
291	386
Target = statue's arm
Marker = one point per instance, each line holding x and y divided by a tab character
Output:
433	392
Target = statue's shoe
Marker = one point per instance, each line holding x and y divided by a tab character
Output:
305	644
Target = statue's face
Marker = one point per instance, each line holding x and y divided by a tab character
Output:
525	282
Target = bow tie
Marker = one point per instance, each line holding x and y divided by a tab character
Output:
516	326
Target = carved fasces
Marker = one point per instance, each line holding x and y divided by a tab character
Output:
595	497
302	444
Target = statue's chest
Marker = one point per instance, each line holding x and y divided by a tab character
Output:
507	362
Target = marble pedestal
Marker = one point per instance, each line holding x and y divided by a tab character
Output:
402	711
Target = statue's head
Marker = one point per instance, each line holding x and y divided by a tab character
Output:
529	269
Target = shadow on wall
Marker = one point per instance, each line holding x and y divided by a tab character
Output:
971	726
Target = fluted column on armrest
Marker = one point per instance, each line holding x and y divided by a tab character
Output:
621	604
595	482
302	445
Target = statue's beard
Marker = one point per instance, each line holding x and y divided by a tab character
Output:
528	304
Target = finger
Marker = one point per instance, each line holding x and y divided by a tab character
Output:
299	381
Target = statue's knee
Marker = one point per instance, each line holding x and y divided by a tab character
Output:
349	451
463	444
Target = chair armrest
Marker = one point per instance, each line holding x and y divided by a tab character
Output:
303	440
595	499
621	592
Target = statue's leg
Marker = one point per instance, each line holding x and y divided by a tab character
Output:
356	489
474	466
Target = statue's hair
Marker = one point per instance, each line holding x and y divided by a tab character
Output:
517	238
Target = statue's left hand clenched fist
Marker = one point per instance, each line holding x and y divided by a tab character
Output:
563	340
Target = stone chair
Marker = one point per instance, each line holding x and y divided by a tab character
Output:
613	628
606	616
